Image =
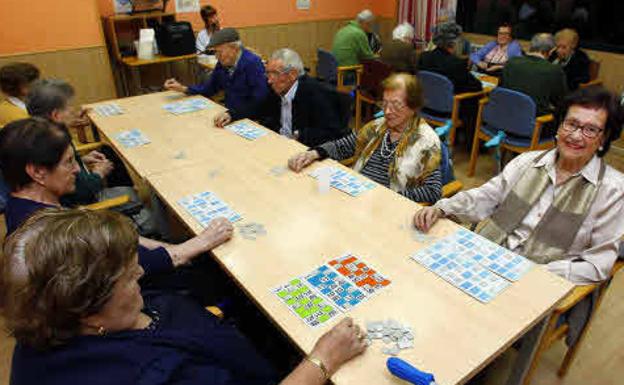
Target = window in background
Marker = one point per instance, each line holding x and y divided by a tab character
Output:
599	22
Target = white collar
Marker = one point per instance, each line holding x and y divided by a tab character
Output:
290	95
16	102
590	171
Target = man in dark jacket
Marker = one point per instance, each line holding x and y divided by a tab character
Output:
533	75
442	60
298	106
400	53
573	61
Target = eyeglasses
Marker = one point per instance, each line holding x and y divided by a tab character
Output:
276	73
393	105
588	130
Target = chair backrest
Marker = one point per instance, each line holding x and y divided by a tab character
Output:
438	90
326	66
510	111
446	164
373	73
594	69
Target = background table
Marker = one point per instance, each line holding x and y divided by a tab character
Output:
455	335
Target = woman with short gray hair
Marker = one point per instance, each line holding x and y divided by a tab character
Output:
400	53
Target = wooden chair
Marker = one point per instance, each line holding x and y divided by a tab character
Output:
328	70
369	86
594	70
440	97
513	113
556	331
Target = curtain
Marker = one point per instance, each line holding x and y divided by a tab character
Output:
424	14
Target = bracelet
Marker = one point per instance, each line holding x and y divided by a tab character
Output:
318	363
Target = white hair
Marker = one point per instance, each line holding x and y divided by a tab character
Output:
403	32
365	16
290	58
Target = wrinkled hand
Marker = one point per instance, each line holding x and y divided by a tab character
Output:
494	68
174	85
80	119
426	217
223	119
219	231
343	342
93	157
102	168
302	160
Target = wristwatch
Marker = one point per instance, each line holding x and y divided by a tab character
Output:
318	363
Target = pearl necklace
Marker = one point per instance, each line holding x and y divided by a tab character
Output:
386	152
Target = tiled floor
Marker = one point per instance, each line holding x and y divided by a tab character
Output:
600	359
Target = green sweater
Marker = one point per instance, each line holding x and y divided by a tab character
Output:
544	82
351	45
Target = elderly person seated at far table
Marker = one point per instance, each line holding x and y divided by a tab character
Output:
400	53
69	293
561	207
573	61
494	55
399	151
39	166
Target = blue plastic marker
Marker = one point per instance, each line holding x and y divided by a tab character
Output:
407	372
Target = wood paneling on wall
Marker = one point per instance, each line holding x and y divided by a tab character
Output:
87	69
303	37
611	64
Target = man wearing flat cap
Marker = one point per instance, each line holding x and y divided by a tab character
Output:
239	72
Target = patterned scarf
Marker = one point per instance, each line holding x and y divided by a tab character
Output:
417	153
556	231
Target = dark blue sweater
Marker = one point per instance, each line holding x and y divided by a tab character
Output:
244	87
185	345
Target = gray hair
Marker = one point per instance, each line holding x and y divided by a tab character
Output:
290	58
237	44
47	95
403	32
365	16
542	42
446	34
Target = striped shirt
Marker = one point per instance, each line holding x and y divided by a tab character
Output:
377	168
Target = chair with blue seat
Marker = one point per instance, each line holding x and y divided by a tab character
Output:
509	116
440	97
328	70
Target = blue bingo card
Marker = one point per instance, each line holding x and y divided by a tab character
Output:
345	181
499	260
246	130
132	138
445	260
335	287
109	109
206	206
305	302
187	106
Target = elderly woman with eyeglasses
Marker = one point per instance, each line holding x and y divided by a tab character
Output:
564	207
69	293
399	151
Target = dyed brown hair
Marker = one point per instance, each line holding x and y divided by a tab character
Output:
61	266
411	85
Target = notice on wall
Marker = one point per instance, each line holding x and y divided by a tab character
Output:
183	6
303	4
122	6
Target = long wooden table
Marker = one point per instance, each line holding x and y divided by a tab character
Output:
455	335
